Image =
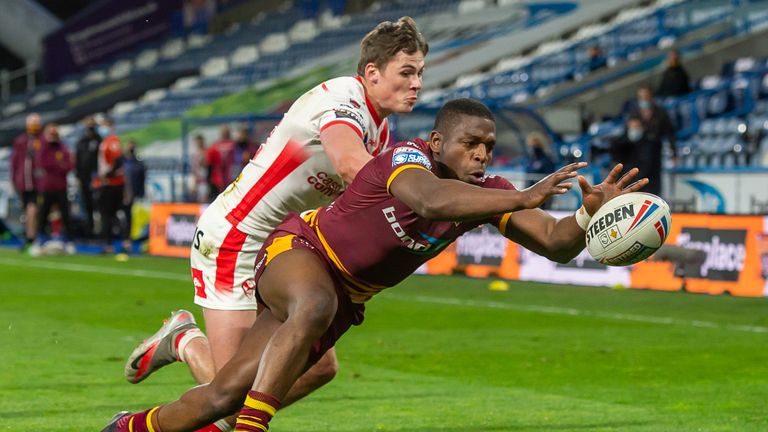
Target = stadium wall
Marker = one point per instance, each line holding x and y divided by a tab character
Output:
737	191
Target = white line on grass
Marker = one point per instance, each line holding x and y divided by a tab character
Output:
84	268
37	263
554	310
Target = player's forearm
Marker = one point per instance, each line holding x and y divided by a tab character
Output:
348	167
567	240
458	201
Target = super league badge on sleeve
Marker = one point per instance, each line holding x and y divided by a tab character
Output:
343	113
409	155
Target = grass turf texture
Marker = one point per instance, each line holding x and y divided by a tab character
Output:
435	354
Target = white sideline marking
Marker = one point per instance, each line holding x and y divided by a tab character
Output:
554	310
37	263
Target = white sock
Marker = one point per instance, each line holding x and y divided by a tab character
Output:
188	335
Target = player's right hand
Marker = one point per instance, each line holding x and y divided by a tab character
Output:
554	184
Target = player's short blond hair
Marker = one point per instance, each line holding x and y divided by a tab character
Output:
383	43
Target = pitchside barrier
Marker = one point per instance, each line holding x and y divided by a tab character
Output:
735	259
735	255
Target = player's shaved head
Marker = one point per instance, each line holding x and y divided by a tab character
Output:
448	116
383	43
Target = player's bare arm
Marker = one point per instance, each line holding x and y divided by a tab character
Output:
447	199
345	150
562	239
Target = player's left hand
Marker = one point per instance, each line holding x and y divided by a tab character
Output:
595	196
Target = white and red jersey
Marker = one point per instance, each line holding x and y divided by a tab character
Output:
291	172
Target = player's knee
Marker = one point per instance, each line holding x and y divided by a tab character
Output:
316	314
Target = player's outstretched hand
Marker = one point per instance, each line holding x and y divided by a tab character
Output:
554	184
595	196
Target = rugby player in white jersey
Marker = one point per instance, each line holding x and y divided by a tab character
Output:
326	136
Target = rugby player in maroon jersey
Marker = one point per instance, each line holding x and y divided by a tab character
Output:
316	271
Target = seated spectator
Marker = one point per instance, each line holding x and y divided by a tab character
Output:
596	59
675	80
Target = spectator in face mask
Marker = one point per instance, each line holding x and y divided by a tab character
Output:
110	182
657	127
634	148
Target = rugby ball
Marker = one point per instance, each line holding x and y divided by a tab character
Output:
628	229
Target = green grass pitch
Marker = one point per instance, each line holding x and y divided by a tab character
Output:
435	354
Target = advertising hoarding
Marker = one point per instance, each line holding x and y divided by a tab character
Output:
172	227
735	248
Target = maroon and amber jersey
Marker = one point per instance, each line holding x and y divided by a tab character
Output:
373	239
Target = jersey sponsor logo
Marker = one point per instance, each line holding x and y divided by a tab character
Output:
407	155
260	263
325	184
342	113
429	246
354	103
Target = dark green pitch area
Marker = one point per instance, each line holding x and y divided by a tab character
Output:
435	354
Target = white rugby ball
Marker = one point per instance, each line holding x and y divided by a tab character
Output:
628	229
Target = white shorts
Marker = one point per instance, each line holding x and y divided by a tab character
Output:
223	260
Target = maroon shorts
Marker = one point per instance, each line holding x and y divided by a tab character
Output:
295	233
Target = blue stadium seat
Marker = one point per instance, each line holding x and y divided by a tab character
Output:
717	103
